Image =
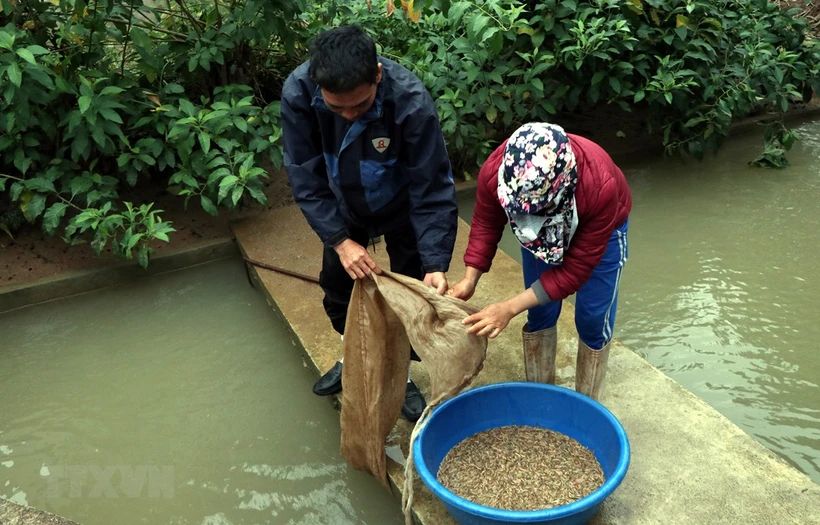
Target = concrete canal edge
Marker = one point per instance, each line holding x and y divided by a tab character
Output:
14	514
83	281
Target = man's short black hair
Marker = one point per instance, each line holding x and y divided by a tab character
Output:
343	59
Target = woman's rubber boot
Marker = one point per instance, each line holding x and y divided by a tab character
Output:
539	354
590	370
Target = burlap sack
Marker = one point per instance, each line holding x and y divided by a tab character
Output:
386	315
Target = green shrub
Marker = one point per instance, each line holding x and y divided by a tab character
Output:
99	96
692	65
104	95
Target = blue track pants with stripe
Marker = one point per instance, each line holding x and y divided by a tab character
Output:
597	300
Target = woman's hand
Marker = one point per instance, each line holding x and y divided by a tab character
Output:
464	289
491	320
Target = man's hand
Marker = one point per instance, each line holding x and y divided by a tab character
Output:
464	289
437	280
491	320
356	261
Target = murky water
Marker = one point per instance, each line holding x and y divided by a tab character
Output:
722	288
179	400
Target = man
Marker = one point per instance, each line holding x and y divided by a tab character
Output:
365	157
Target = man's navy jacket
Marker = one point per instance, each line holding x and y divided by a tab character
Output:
389	166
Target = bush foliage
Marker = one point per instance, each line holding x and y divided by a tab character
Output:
99	96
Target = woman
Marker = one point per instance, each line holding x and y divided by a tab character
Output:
568	205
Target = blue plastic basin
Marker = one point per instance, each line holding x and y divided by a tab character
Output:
533	404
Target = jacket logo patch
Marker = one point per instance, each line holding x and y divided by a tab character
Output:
381	144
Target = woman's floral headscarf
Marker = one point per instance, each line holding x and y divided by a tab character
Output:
536	187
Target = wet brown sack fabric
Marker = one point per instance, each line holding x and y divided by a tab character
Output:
386	315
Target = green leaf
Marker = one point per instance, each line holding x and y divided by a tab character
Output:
489	34
177	130
492	114
694	122
479	23
35	206
99	242
189	180
536	82
21	161
14	73
142	256
241	123
598	77
133	240
15	191
205	142
789	139
237	194
161	236
636	6
99	136
112	90
110	114
225	186
84	103
495	76
170	159
173	89
208	205
247	164
6	40
3	181
216	162
640	96
40	184
52	217
146	159
26	55
668	97
258	194
187	107
216	174
80	185
37	50
615	84
41	77
9	93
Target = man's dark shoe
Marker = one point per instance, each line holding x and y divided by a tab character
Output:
330	383
414	403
